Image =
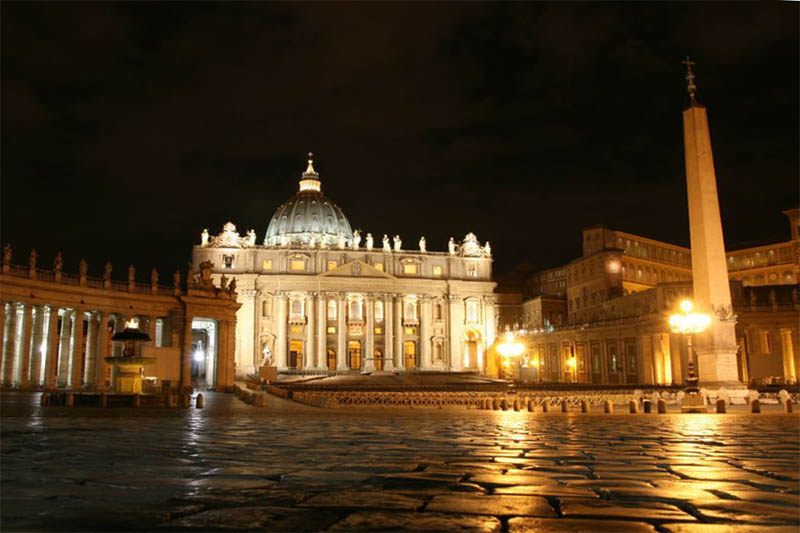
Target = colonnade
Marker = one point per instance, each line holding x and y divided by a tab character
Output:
47	346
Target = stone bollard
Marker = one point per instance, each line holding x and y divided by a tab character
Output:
545	406
172	400
633	407
104	400
787	405
504	404
44	400
755	406
584	406
721	406
662	406
516	405
70	400
187	400
647	406
531	406
137	400
608	407
564	406
496	404
198	402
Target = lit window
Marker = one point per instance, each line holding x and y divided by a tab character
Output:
332	265
409	268
378	266
410	331
437	270
437	311
227	261
331	309
298	264
410	309
159	332
378	331
297	329
331	330
297	308
379	311
267	264
355	309
472	311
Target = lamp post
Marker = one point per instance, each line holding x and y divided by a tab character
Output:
688	323
508	349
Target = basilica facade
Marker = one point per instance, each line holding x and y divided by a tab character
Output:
318	297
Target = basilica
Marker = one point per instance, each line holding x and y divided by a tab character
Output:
318	297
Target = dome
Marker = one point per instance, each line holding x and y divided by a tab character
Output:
307	216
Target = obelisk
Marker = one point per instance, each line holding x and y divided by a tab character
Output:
716	347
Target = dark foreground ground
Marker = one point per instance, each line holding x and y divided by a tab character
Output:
289	467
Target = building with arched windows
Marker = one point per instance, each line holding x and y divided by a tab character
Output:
318	297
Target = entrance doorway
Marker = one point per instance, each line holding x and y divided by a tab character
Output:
354	355
295	354
378	360
410	354
331	360
472	359
204	352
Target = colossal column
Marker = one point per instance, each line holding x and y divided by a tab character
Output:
37	354
281	341
63	347
25	348
89	373
322	332
309	358
789	370
400	361
10	348
369	361
716	347
454	322
424	332
101	367
388	329
51	358
341	357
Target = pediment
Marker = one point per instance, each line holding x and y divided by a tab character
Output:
356	269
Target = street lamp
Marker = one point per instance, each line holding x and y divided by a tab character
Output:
688	323
509	348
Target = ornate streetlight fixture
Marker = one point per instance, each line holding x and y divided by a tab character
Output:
509	349
688	323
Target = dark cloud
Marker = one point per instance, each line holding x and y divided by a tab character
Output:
128	128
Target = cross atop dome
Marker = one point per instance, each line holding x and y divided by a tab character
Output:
310	178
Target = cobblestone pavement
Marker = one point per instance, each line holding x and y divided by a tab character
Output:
289	467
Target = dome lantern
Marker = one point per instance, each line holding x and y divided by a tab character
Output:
310	179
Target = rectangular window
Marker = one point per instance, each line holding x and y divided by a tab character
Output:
411	331
437	270
331	309
378	331
227	261
378	266
332	265
409	268
331	330
298	264
267	264
297	329
159	332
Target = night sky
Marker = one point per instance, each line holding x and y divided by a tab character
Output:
128	128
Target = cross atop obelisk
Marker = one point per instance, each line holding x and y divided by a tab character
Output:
691	88
716	347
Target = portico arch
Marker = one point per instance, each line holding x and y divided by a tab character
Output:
472	352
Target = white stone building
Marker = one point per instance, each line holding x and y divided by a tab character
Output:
317	297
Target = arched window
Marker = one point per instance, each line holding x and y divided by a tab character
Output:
331	309
472	311
378	311
355	309
331	360
437	311
266	307
410	309
296	308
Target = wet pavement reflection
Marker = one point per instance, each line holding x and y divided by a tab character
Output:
290	467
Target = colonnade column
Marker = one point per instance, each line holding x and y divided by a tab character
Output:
310	347
789	370
51	357
424	332
322	331
280	348
78	350
25	348
369	361
101	366
2	330
11	345
37	342
186	355
398	332
675	356
388	329
63	347
341	345
89	371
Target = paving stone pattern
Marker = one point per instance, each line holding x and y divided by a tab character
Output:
290	467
